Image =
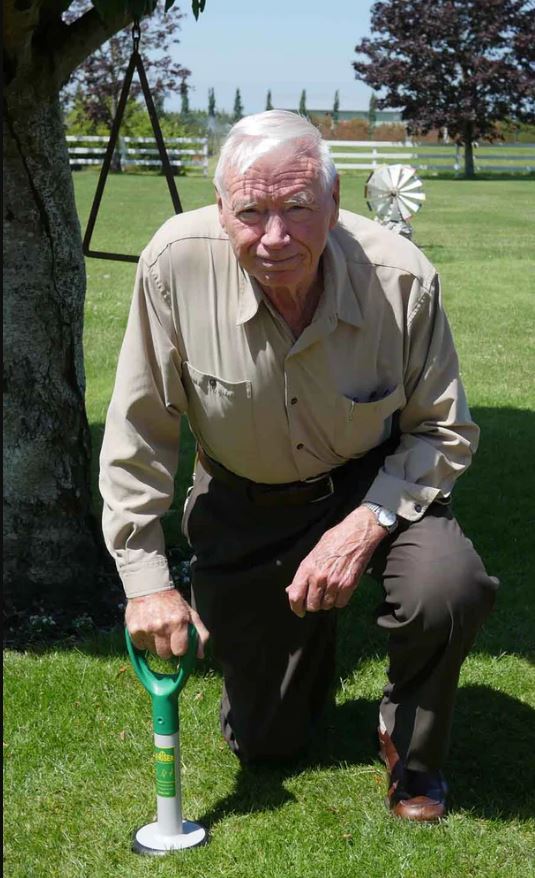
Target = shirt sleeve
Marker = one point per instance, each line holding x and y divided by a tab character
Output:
438	436
139	454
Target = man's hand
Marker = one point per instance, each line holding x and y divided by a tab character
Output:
329	574
159	622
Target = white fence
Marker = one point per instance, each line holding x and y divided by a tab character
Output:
369	154
189	153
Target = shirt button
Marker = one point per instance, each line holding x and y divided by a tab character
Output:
212	382
293	400
417	507
300	446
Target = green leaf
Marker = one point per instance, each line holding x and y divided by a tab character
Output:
197	6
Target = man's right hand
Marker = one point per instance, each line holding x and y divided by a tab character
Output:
159	622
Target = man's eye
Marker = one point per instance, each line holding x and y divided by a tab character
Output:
298	209
249	215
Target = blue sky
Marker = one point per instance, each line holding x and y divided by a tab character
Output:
282	45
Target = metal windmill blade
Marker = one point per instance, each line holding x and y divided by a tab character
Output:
394	193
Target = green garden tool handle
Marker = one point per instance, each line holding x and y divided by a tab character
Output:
164	688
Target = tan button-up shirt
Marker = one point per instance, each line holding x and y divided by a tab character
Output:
202	340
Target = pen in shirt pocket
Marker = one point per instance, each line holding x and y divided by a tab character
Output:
375	396
353	400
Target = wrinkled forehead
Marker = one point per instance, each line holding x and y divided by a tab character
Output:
283	170
252	150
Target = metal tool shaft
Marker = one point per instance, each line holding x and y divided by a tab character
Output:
168	791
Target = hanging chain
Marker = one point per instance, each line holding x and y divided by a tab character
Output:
135	63
136	34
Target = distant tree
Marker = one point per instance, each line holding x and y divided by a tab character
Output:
211	102
78	122
303	104
96	83
136	124
269	105
336	108
372	114
463	64
238	107
184	98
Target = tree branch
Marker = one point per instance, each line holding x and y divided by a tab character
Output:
19	27
83	37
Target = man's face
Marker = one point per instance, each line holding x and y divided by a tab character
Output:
277	216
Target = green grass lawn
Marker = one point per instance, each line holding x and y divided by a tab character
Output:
77	734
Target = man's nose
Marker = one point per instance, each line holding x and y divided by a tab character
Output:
275	232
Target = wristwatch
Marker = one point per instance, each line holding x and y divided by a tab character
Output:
385	517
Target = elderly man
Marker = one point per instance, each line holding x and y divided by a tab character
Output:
310	352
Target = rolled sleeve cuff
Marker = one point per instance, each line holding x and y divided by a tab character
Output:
146	580
406	499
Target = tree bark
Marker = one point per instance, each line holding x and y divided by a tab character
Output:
52	549
469	170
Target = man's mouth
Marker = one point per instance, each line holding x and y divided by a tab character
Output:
266	262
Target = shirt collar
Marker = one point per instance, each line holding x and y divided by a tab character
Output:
338	284
250	297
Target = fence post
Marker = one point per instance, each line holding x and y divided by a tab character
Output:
457	159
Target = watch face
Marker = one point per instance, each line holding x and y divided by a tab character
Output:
387	518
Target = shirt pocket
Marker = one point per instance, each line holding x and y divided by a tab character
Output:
220	415
361	426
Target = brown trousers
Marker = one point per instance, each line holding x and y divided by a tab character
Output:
278	669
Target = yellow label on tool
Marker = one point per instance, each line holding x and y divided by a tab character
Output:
164	760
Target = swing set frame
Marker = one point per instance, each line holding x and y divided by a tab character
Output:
135	63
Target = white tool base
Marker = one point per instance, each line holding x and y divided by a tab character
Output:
149	839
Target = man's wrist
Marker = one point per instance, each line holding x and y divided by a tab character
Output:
146	591
384	517
139	598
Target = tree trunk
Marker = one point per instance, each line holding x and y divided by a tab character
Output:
469	170
52	549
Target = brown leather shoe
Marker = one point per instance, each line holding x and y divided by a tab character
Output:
412	795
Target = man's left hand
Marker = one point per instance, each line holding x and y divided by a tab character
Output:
329	574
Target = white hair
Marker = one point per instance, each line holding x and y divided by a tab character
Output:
255	136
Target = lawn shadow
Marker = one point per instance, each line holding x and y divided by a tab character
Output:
494	504
483	769
492	744
345	736
256	789
491	764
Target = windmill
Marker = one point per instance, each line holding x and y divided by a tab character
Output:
395	193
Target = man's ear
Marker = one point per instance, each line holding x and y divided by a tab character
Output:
219	202
335	195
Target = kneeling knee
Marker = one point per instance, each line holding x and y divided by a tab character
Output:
456	592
